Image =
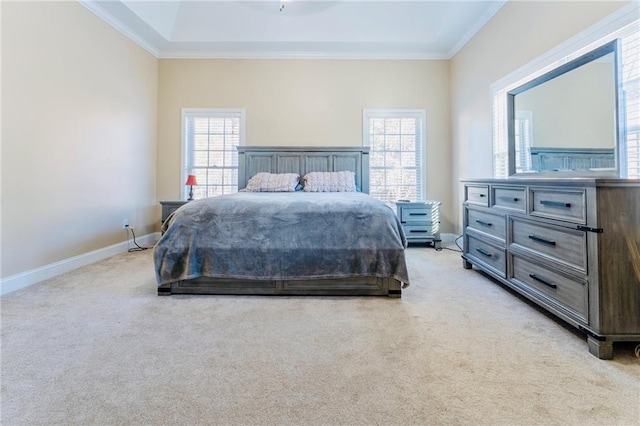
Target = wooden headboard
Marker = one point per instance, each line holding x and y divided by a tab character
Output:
571	159
302	160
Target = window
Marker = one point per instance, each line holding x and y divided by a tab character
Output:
396	139
210	138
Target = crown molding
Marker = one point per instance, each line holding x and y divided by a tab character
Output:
215	54
99	11
486	17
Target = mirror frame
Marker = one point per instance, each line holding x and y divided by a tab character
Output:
620	124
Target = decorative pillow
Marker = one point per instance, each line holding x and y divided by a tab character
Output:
272	182
330	182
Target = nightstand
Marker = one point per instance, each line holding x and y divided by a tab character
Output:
169	207
421	221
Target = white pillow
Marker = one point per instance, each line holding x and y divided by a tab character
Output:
272	182
330	182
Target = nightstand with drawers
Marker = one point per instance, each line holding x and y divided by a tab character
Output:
420	221
169	207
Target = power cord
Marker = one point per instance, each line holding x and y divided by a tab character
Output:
137	246
456	242
637	351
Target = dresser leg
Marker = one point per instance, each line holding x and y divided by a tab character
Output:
465	264
599	348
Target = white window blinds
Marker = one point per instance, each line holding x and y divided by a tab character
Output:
500	135
210	138
631	90
396	139
523	131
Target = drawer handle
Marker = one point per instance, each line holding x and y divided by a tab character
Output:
484	252
509	199
542	240
484	223
417	231
481	195
543	281
555	204
417	214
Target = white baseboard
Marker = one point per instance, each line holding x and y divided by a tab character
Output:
448	238
25	279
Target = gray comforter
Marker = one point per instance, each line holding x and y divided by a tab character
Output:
282	236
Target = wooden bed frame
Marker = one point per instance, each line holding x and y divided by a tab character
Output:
571	159
301	160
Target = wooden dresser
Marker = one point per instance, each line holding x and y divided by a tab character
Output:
570	245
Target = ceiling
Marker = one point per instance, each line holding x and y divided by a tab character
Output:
373	29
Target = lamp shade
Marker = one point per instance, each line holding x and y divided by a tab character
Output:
191	180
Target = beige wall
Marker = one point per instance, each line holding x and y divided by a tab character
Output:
305	102
82	105
79	106
519	33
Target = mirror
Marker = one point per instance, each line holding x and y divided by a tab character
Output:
566	121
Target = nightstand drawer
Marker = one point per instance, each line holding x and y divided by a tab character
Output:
568	205
488	223
510	198
477	194
570	292
418	231
418	215
556	243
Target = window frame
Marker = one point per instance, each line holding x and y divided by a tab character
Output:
186	148
419	114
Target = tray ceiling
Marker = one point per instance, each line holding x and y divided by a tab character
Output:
418	29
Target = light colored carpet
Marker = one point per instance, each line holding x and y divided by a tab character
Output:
97	346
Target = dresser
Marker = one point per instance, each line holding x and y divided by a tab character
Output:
420	221
572	246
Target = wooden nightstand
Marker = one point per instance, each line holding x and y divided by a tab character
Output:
421	221
169	207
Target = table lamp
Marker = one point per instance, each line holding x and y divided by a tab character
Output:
191	180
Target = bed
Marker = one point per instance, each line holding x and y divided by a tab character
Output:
286	243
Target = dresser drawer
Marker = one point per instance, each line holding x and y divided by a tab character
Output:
572	293
568	205
487	255
477	194
563	245
510	198
488	223
424	214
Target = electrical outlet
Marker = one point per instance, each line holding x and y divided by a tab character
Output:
125	223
